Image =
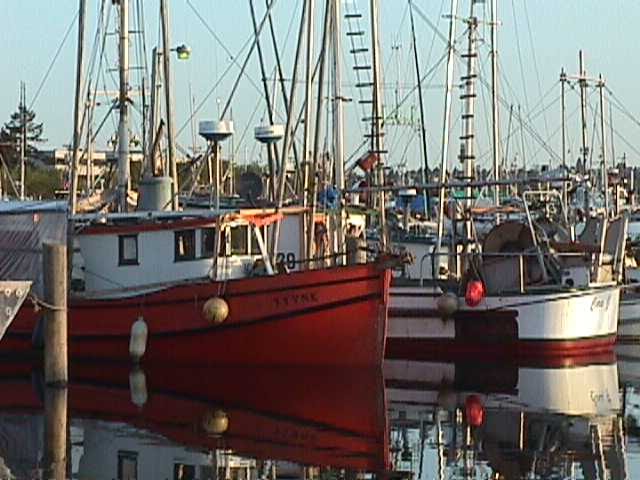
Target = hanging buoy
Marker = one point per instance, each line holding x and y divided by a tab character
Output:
215	310
138	387
138	339
447	304
474	410
215	422
475	293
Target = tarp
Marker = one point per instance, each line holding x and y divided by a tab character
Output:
24	227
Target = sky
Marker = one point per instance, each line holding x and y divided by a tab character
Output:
536	39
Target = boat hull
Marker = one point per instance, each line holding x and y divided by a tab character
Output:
532	325
331	316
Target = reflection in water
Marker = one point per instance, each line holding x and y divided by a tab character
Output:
504	421
433	420
190	423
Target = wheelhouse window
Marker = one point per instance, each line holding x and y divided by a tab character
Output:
208	242
128	250
239	240
185	245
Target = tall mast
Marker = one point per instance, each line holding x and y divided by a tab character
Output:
603	153
166	64
288	133
447	120
76	110
467	148
563	81
338	117
378	114
423	127
124	179
583	110
494	100
318	123
307	106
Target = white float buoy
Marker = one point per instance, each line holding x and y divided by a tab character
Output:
215	422
447	304
138	339
215	310
138	387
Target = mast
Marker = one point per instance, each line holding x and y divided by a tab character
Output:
76	110
272	150
467	148
288	133
423	128
378	116
563	81
124	179
338	119
150	167
603	153
445	128
494	100
166	48
318	123
583	110
306	142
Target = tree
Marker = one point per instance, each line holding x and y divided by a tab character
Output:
11	132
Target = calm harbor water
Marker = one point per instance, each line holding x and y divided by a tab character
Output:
421	420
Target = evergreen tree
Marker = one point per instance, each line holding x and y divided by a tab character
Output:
11	132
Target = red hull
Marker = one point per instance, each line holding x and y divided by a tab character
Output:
331	316
452	349
312	416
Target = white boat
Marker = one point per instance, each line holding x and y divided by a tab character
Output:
521	293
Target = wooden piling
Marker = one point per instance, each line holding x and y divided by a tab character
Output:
55	325
55	433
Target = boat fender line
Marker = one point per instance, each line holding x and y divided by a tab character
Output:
215	310
215	422
138	387
138	339
447	304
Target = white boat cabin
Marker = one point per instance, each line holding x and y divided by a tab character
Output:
127	254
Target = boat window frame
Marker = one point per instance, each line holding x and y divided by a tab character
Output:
245	235
190	256
127	262
130	456
205	253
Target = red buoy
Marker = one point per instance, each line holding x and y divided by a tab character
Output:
474	411
475	293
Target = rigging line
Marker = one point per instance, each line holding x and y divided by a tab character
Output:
54	59
535	62
233	58
522	77
432	25
620	106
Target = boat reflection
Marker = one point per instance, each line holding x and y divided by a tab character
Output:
507	421
209	423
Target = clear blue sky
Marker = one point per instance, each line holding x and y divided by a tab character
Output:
549	34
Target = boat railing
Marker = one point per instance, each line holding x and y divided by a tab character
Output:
433	256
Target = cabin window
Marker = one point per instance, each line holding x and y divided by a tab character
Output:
239	240
127	465
185	246
128	250
208	242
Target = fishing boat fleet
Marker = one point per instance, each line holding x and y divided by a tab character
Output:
294	271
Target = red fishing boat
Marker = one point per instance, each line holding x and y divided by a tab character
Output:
149	285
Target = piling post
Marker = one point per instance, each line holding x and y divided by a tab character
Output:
55	325
55	433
